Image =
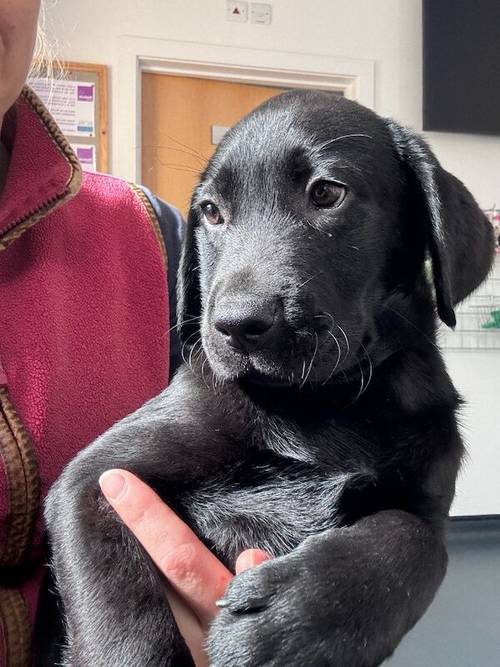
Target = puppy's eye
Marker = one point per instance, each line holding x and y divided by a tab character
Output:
211	213
326	194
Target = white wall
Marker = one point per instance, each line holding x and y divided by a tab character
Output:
387	32
476	375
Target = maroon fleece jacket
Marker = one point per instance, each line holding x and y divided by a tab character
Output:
83	335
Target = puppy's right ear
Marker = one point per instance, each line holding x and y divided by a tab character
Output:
188	285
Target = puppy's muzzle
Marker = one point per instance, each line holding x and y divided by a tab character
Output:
248	323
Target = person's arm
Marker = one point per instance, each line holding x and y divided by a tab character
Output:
197	578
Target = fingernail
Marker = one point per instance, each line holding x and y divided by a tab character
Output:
222	603
112	484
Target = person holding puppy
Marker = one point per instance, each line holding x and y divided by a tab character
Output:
87	287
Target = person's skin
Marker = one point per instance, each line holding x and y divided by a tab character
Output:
197	579
18	24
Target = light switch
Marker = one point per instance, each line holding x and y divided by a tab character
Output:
261	12
237	11
218	131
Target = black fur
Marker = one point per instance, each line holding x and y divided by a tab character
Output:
332	443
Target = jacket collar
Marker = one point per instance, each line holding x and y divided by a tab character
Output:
43	172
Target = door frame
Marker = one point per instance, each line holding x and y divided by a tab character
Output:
354	77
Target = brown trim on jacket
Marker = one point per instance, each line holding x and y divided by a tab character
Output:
153	219
21	471
16	628
72	186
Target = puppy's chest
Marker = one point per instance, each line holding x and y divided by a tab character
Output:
264	507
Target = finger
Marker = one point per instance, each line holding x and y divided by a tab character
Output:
192	569
189	627
250	558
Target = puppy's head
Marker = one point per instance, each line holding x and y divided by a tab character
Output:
311	212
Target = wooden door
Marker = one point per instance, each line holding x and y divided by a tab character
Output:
178	114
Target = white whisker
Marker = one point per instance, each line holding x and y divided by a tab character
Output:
362	383
195	333
203	374
311	364
190	359
364	386
348	347
422	333
344	136
326	314
339	353
370	371
309	280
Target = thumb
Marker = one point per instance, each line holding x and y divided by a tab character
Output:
250	558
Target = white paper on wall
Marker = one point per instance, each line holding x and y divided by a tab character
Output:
72	103
86	154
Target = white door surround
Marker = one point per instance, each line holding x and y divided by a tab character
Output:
355	78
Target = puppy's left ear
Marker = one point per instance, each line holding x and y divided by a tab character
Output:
459	237
188	285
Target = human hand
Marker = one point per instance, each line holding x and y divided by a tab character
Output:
197	578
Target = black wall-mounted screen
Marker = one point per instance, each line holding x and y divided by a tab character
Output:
461	58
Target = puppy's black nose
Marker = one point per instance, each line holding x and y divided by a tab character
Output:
246	323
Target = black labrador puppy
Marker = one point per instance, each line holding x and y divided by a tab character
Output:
314	417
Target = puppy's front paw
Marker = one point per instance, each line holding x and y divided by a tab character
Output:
259	623
304	609
256	588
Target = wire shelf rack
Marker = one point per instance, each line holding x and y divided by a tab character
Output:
478	318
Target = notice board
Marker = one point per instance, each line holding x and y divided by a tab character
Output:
76	94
